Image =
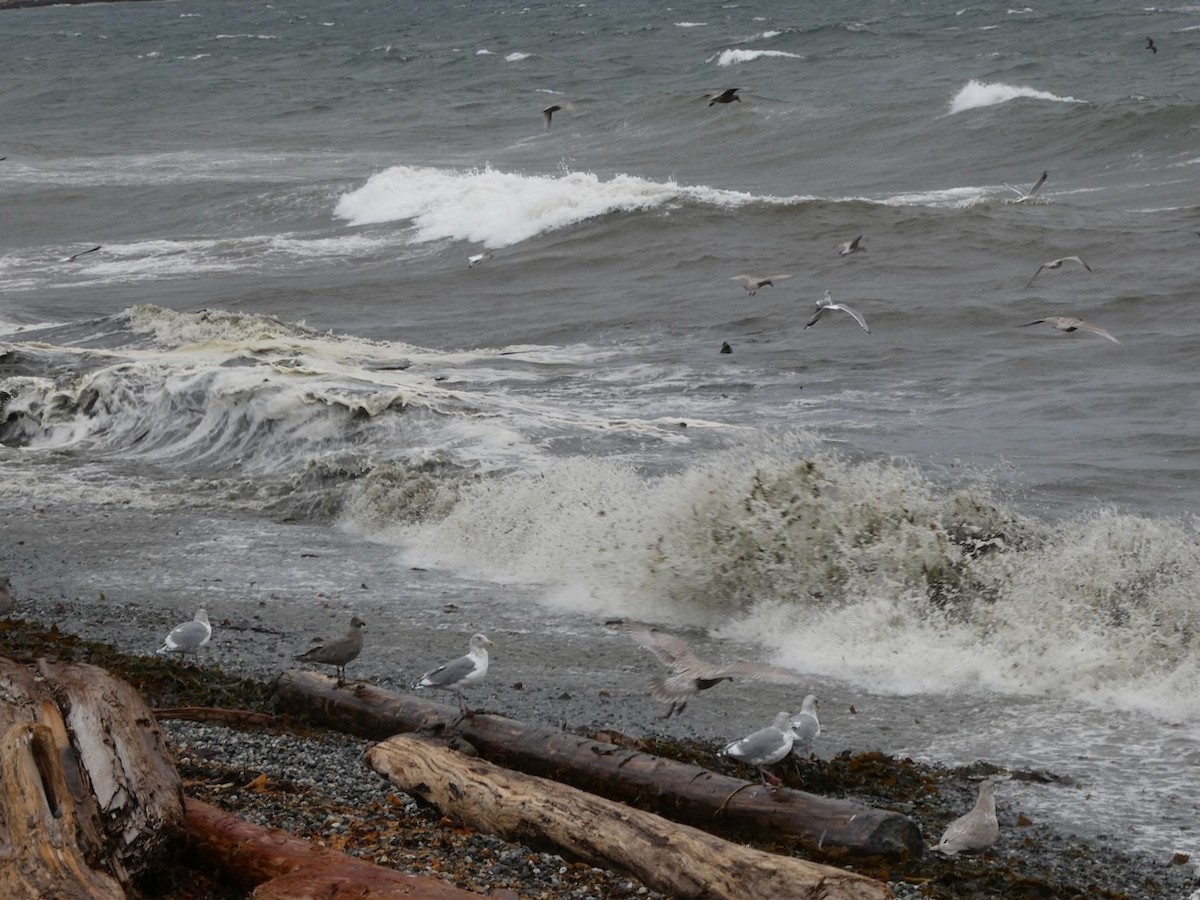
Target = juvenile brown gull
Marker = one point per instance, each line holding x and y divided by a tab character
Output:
729	95
806	728
854	246
338	651
1022	196
1057	264
188	637
826	304
978	829
753	282
690	675
460	673
1070	323
764	747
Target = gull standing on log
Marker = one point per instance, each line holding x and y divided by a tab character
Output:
188	637
764	747
338	651
826	304
978	829
460	673
690	675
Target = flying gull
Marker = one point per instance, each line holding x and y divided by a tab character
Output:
806	728
475	260
726	96
827	303
1150	45
6	597
81	253
1022	196
978	829
548	113
188	637
853	246
1057	264
690	675
460	673
338	651
1070	323
764	747
752	282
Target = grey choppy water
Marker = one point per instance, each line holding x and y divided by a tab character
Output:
980	520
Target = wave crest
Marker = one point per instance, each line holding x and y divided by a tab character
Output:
975	94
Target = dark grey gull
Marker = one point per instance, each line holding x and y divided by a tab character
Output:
729	95
854	246
338	651
6	597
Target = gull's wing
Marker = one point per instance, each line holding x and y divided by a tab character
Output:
748	669
1038	185
749	282
672	651
187	637
855	313
1035	275
1078	260
1096	329
449	674
767	745
820	312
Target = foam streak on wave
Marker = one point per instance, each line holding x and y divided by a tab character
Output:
975	94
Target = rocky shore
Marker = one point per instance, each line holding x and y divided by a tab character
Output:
313	783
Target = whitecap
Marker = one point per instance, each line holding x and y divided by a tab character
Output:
517	56
733	57
975	94
690	24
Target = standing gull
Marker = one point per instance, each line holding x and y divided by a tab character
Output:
460	673
1070	323
690	675
1022	196
188	637
826	304
978	829
764	747
854	246
729	95
806	728
338	651
1057	264
752	282
6	597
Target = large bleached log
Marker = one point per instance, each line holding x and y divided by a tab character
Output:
282	865
677	859
676	790
125	796
39	853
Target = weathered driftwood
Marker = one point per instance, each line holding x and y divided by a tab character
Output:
123	791
39	853
280	865
677	859
681	792
239	718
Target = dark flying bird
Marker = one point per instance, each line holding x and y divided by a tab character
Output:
1150	45
82	253
690	675
1070	323
1022	196
1057	264
726	96
338	651
549	112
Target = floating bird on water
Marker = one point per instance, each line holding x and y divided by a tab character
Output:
1057	264
460	673
690	675
853	246
752	282
978	829
81	253
826	304
764	747
188	637
338	651
725	348
1150	45
1022	196
806	728
6	597
729	95
1070	323
475	260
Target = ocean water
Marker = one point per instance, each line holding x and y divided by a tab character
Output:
986	528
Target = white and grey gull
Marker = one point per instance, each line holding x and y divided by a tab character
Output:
188	637
978	829
460	673
1057	264
1022	196
806	727
826	304
753	282
1070	323
764	747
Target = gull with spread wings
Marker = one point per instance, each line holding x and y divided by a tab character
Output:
1057	264
690	675
826	303
1022	196
753	282
1070	323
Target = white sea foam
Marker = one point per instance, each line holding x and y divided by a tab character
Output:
690	24
498	209
975	94
516	56
735	57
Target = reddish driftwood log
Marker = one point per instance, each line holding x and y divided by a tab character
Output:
285	866
677	859
676	790
235	717
123	789
39	854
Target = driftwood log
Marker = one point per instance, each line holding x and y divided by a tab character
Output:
678	791
678	860
104	781
279	865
